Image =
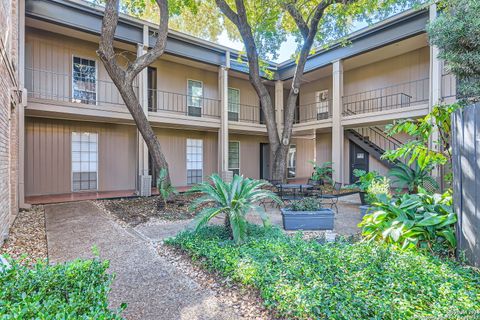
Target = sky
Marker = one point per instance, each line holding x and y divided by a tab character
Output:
286	50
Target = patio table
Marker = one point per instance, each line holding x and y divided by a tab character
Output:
297	189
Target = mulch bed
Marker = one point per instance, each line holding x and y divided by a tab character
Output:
27	235
135	211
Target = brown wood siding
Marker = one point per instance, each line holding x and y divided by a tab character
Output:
407	67
48	155
249	154
174	146
305	153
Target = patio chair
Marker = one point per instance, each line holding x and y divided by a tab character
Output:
333	197
315	191
274	187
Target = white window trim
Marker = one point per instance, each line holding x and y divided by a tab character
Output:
203	92
96	75
186	160
239	100
71	167
239	157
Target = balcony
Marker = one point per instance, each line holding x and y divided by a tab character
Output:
399	96
245	113
182	104
45	85
314	111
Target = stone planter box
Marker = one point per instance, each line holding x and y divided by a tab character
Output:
307	220
364	210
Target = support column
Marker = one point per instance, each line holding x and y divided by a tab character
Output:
223	132
337	128
144	179
21	106
279	106
436	67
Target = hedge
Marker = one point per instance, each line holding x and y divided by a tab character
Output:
307	280
74	290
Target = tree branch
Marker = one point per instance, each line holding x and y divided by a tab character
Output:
240	19
153	54
225	8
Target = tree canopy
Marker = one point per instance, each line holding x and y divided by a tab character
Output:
456	32
270	22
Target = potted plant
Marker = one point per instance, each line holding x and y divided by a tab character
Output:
364	181
322	173
307	214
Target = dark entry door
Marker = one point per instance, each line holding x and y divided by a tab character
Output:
264	161
358	160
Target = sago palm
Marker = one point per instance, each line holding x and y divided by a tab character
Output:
235	199
413	178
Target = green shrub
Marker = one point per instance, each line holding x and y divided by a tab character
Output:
323	172
308	280
75	290
305	204
418	220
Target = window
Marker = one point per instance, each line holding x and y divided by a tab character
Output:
233	104
152	88
195	96
292	161
84	161
321	101
234	157
194	161
84	78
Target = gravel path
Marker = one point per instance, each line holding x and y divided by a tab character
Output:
151	285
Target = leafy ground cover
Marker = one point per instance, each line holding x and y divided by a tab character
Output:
75	290
307	280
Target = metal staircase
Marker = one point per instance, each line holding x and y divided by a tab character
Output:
374	141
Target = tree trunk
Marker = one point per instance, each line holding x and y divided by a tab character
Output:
227	225
123	78
278	145
279	163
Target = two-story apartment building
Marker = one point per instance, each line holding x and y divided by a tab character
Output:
79	137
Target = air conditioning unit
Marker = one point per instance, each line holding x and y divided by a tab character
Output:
145	185
227	176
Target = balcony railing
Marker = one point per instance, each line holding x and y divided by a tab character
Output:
179	103
245	113
393	97
315	111
378	137
50	85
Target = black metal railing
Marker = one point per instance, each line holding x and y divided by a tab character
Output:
393	97
315	111
245	113
51	85
180	103
378	137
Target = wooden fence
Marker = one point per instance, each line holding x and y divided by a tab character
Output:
466	180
